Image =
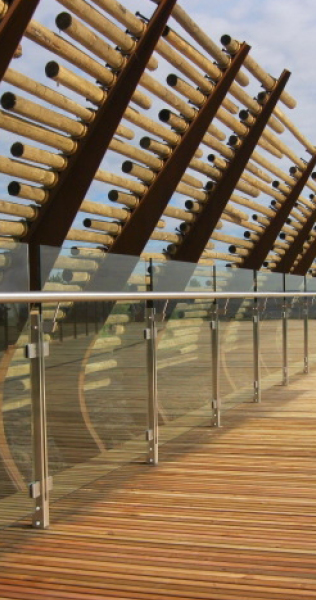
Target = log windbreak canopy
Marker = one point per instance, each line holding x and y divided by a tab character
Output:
137	133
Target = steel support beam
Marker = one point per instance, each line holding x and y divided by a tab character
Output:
305	262
12	28
201	230
143	220
256	257
295	248
57	215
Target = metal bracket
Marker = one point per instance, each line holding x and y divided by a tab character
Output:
31	350
214	404
149	435
147	334
35	487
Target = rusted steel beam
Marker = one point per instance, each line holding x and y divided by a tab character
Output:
256	257
57	215
306	260
196	239
286	262
139	227
12	28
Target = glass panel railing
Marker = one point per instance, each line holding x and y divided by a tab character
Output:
295	312
311	303
184	350
236	337
270	315
15	395
96	373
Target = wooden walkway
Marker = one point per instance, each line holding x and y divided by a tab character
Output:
229	514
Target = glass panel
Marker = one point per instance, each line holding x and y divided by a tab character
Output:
96	373
295	324
15	397
236	337
184	351
270	312
311	287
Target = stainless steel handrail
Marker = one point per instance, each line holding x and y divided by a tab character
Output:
39	297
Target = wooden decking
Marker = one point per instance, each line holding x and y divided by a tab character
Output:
229	514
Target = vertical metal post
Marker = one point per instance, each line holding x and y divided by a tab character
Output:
256	346
285	339
216	401
305	317
151	337
39	489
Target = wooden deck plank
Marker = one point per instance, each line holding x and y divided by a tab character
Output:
228	514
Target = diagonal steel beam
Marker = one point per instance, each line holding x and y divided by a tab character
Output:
143	220
286	262
57	215
12	28
306	260
256	257
201	230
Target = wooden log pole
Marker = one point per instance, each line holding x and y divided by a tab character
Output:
13	23
265	79
18	210
20	169
45	116
199	36
29	192
39	134
45	93
55	161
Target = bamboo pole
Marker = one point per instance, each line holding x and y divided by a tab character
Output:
18	210
45	116
55	161
203	40
45	93
20	169
29	192
39	134
268	82
135	25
